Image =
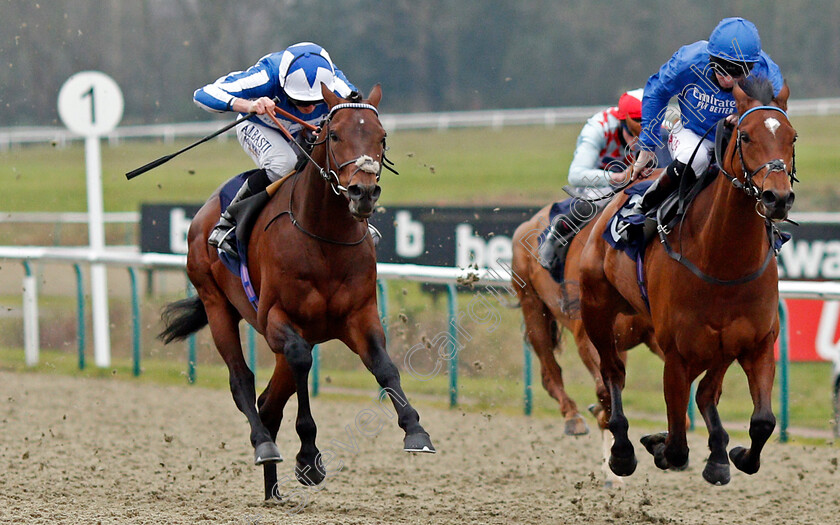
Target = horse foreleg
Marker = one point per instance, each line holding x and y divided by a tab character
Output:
270	404
599	314
716	471
224	328
366	338
760	370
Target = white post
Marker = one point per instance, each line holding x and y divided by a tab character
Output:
96	232
30	320
90	103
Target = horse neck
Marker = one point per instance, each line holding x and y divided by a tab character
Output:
732	235
319	210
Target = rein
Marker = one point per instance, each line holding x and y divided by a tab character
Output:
747	187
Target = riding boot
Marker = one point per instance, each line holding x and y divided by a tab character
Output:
220	236
657	192
561	233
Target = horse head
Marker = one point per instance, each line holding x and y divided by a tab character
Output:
354	149
764	144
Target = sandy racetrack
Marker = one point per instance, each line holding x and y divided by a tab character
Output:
113	451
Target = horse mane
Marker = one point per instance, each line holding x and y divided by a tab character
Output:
758	88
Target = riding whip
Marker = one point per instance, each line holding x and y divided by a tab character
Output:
155	163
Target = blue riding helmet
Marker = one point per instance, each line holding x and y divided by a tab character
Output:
735	40
303	68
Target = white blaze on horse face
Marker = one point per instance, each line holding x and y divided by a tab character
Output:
367	164
772	124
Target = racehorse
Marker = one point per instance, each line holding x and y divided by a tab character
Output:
549	306
714	302
313	266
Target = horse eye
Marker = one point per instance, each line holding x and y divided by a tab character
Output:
795	137
333	136
745	137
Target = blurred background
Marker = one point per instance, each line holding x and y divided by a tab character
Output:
434	55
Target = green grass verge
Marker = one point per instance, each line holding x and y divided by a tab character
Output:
513	165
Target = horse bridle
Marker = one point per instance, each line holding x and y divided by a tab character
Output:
747	185
331	176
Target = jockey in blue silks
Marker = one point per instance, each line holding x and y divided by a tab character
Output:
701	75
293	77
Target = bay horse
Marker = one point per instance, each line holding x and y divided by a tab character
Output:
717	305
313	266
549	306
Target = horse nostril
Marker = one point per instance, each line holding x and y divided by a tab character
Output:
790	198
768	198
355	192
377	190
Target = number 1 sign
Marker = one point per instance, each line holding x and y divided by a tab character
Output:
90	103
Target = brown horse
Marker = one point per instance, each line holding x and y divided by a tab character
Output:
717	305
314	269
548	307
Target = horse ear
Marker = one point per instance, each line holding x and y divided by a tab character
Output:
742	100
375	95
782	98
329	97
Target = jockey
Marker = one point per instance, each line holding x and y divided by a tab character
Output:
604	153
701	75
293	76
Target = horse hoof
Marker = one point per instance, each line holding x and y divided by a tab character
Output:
576	426
267	452
623	466
716	473
309	476
650	441
738	455
420	442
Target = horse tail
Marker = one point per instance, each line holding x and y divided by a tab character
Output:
182	318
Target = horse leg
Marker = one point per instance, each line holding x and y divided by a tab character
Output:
760	370
670	450
224	328
599	304
544	338
270	404
284	340
366	338
716	471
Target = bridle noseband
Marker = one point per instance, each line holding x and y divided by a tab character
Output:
747	185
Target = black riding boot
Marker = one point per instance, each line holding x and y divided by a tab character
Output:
658	191
562	231
220	236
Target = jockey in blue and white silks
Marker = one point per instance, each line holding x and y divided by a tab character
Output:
701	75
293	77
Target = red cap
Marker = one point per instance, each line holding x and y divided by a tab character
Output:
630	104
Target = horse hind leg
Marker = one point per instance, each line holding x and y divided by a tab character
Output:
670	449
309	468
716	471
760	372
543	333
224	329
